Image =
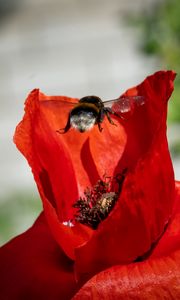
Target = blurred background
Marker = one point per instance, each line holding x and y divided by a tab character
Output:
76	48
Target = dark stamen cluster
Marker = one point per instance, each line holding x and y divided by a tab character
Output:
99	200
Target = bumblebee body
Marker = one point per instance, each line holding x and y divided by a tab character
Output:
89	111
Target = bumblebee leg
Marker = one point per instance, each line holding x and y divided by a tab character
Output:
100	119
99	126
66	128
107	112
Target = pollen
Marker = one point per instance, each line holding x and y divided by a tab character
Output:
98	202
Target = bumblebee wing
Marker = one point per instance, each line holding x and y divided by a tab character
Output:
124	105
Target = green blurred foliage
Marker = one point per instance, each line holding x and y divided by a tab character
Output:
17	213
161	37
175	149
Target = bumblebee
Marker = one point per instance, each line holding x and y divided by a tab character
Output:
91	110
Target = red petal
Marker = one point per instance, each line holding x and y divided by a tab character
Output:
170	240
146	200
52	167
47	155
123	145
155	279
32	266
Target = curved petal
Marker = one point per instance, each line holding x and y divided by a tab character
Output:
32	266
147	196
155	279
132	138
170	241
53	171
48	156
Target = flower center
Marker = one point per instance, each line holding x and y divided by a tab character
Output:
98	201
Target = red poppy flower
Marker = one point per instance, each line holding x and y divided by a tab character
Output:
133	253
